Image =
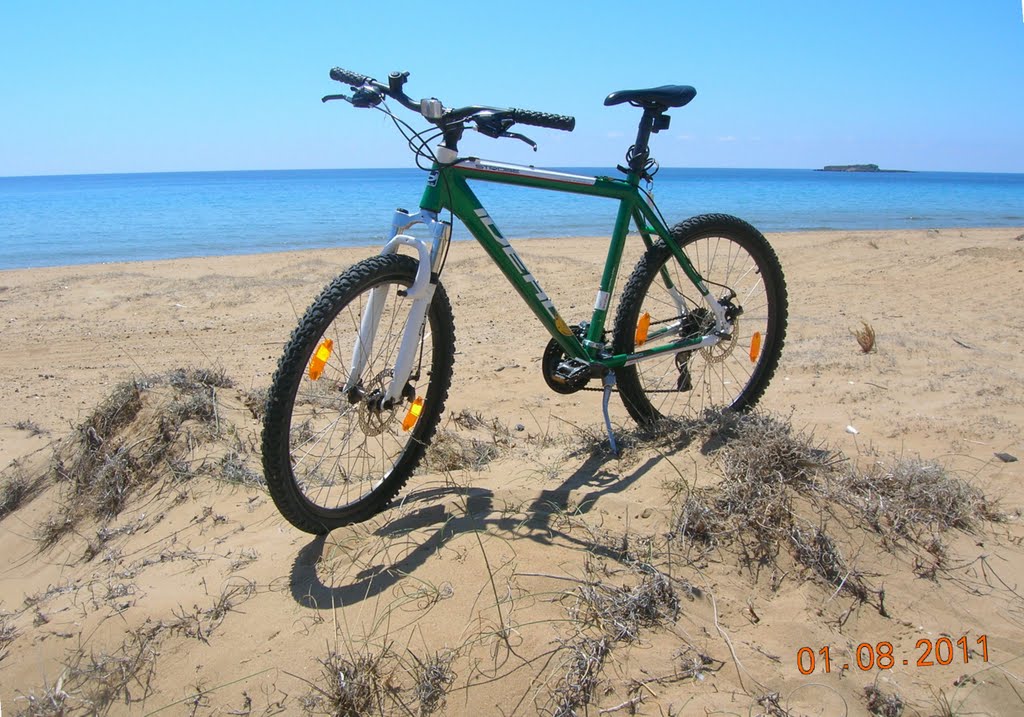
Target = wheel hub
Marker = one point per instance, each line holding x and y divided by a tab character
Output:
373	416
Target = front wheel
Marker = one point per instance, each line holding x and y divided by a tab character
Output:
333	452
740	269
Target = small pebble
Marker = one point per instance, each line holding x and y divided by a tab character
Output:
520	427
1006	457
852	430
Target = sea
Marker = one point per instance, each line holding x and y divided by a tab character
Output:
84	219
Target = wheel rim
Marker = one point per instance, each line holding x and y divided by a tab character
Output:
688	384
343	446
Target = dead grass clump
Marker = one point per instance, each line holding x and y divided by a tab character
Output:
762	448
434	677
882	704
255	399
911	497
7	634
50	702
813	548
451	452
92	682
766	467
16	490
200	623
351	687
131	441
120	407
191	379
55	527
234	469
698	522
30	426
619	612
865	336
586	656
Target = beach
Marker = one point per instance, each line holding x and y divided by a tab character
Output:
464	570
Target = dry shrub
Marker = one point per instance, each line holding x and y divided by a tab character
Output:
769	470
604	615
31	426
129	442
619	612
351	686
764	463
200	623
911	497
92	682
586	656
434	677
7	634
449	451
17	488
234	469
865	336
192	379
815	549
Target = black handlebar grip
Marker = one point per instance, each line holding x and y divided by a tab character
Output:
543	119
352	79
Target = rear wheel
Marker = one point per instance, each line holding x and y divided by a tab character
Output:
741	270
333	456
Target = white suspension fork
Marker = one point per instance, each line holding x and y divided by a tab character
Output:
421	293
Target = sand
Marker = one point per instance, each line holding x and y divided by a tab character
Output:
481	568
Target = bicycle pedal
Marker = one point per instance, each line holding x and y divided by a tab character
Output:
571	371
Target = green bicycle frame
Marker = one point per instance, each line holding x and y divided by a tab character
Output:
447	188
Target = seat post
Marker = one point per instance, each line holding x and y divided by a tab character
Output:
640	151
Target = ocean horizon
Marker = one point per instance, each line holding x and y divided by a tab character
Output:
54	220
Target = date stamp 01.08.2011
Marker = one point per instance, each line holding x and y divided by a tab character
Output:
881	655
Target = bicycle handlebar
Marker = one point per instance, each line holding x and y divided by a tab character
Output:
565	123
352	79
544	119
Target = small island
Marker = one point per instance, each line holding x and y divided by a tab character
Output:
857	168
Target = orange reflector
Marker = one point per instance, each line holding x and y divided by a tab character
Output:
755	346
413	415
319	360
642	327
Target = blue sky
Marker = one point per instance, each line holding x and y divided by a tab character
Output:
140	86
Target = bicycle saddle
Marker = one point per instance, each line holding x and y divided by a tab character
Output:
657	97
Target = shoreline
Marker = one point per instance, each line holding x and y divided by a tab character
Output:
369	247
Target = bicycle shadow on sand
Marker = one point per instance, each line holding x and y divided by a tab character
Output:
477	512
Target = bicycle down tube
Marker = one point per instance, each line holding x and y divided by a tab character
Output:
447	188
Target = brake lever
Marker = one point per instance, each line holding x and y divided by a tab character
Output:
521	138
361	97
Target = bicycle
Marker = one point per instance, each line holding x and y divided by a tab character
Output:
360	388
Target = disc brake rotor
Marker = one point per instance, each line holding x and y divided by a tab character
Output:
720	351
372	419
